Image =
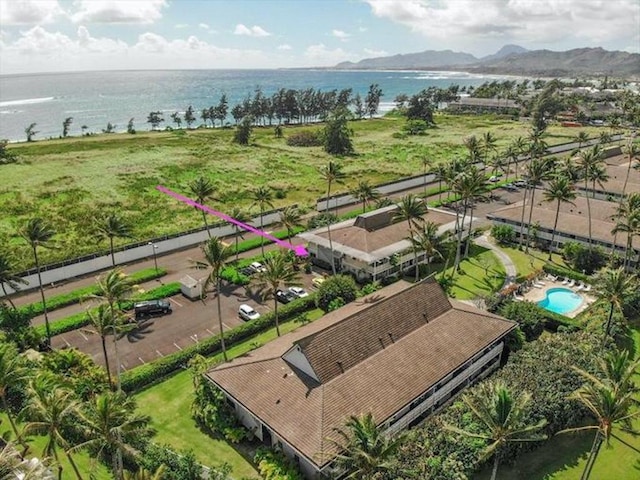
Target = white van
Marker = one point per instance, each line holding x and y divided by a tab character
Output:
246	312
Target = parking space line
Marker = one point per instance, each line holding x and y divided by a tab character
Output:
159	354
65	341
210	332
224	325
83	336
123	368
140	358
175	301
177	346
194	337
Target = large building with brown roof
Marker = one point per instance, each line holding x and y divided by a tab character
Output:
398	353
373	245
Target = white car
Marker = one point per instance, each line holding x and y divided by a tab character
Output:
494	179
247	312
299	292
258	267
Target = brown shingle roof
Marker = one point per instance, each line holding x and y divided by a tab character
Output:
305	413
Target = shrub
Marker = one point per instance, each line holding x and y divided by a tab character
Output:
274	465
321	220
305	138
583	258
338	286
80	294
504	234
415	127
564	272
528	316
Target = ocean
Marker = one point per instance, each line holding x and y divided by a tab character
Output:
94	99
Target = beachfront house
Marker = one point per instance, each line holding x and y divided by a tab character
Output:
399	353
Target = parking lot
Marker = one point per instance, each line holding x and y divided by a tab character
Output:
190	322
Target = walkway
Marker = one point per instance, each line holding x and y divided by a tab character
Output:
509	267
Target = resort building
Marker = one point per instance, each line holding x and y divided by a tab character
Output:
612	189
399	354
483	105
573	224
373	245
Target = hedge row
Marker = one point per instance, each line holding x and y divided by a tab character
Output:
149	373
255	242
79	320
565	272
80	294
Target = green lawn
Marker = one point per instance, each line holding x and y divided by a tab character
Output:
169	404
85	463
531	262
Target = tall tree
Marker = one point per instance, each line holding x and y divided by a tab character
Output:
8	276
504	417
365	450
65	126
216	255
473	148
31	132
372	100
627	218
610	401
587	161
331	173
37	233
243	216
202	189
337	134
365	193
519	145
537	171
278	272
427	240
12	374
559	190
475	190
614	287
110	424
263	198
189	116
488	145
112	226
632	151
411	210
426	165
51	410
290	218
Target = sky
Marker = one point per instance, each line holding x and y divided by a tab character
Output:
77	35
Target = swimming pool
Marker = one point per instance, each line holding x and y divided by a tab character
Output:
561	300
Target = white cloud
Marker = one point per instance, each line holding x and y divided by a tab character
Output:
119	11
344	36
544	22
181	25
204	26
29	12
285	46
375	53
102	45
318	55
255	31
362	29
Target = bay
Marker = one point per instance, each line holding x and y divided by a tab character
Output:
94	99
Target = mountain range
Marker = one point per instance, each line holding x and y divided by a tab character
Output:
511	60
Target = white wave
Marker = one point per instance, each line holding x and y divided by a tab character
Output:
26	101
9	112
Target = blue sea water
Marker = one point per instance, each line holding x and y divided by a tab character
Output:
94	99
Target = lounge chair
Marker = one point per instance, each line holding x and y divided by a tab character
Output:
565	281
518	298
571	283
551	278
538	285
581	286
587	288
539	282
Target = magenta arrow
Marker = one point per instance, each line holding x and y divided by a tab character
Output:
298	249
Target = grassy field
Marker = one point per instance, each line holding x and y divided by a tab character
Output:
71	181
531	262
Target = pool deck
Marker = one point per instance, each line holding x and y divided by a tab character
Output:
536	294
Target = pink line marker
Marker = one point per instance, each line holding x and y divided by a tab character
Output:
297	249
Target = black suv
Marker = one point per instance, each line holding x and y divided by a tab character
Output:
151	307
285	296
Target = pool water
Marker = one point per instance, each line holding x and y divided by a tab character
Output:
561	300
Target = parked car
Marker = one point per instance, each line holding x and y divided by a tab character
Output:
520	183
285	296
494	178
299	292
151	307
317	281
511	187
247	312
247	271
257	267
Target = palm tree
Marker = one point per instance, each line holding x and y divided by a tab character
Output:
614	286
627	218
473	147
216	255
331	173
581	139
143	474
426	163
511	154
610	400
113	288
476	186
559	190
12	373
278	272
538	170
262	197
7	276
37	233
519	146
488	145
242	216
366	193
202	189
587	161
366	450
441	172
102	321
111	226
290	217
428	241
50	410
411	210
600	176
110	423
504	416
632	152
